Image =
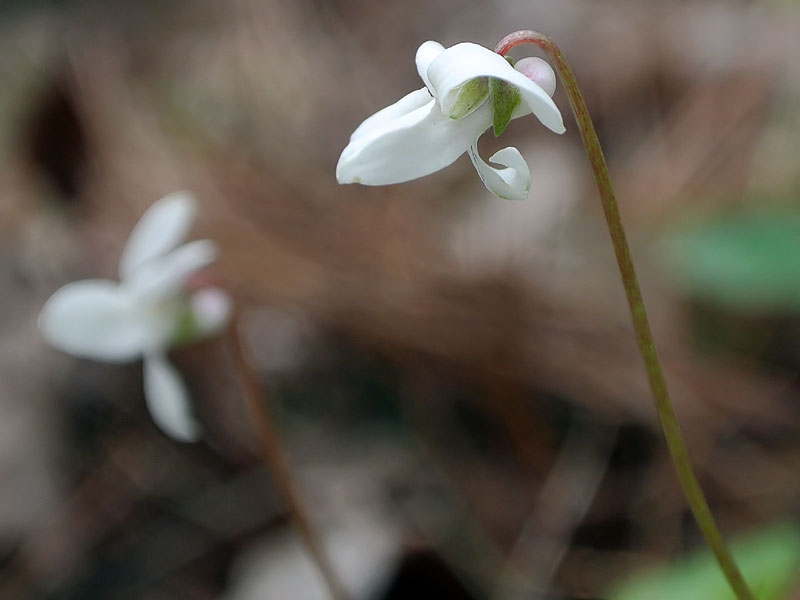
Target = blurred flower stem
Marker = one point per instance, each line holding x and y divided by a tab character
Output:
669	423
275	460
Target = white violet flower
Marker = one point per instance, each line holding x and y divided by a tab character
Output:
151	309
468	88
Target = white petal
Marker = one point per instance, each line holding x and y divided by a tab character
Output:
426	54
166	275
94	319
212	309
378	121
464	62
408	141
168	400
511	183
161	229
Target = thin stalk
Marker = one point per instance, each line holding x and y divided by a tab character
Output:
276	463
666	414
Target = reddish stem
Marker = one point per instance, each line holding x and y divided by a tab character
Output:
666	414
276	462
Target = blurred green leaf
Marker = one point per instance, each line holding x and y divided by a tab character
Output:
746	261
769	560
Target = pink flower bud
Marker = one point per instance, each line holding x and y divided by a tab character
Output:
539	72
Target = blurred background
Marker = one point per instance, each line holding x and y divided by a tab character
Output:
455	376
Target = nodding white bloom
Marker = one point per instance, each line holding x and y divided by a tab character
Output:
468	88
152	308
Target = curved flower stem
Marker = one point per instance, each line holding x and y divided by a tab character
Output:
669	423
276	463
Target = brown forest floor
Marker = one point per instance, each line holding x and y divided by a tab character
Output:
455	377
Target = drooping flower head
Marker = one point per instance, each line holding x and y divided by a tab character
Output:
152	308
468	88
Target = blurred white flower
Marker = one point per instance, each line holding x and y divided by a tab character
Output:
151	309
468	89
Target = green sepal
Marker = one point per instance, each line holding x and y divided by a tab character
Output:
471	95
505	98
186	329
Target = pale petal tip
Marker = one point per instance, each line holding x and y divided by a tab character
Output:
344	169
549	115
187	429
206	251
429	47
178	209
191	432
426	54
50	323
341	166
184	199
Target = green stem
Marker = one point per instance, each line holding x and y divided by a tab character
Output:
276	463
669	423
